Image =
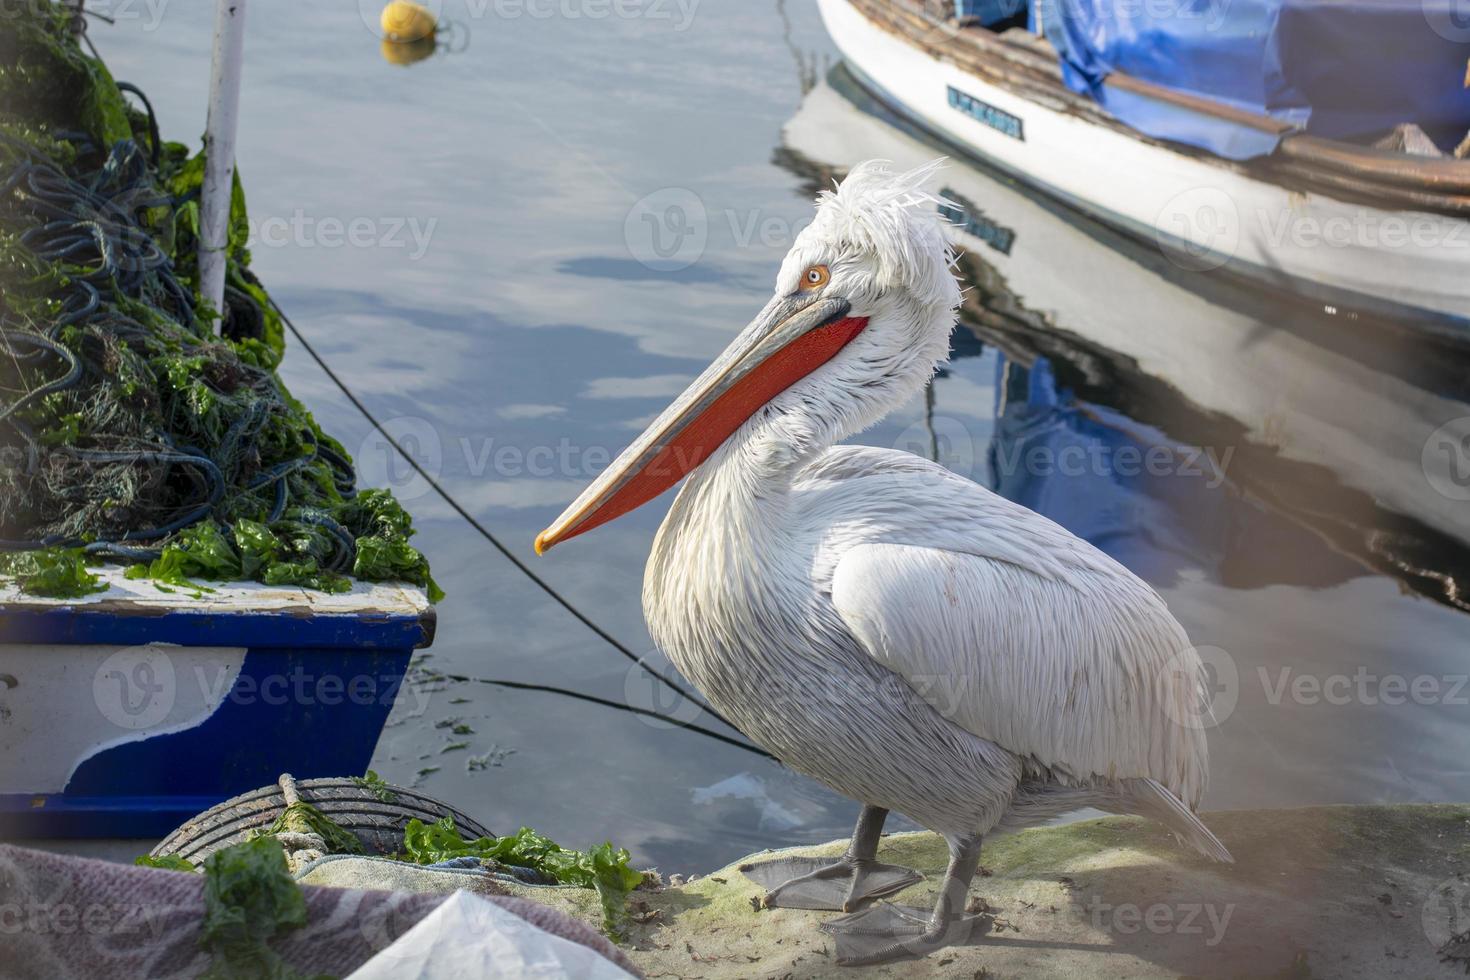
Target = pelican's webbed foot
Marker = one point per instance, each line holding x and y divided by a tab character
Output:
889	932
886	932
826	885
834	886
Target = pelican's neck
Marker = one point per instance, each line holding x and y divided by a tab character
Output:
736	506
750	475
740	496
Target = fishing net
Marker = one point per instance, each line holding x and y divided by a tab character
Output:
129	431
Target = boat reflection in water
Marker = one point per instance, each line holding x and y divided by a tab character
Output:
1290	480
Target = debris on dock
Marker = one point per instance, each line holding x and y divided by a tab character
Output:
1362	891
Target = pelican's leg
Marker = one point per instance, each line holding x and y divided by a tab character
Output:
888	932
834	886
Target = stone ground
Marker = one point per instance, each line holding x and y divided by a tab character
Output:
1322	892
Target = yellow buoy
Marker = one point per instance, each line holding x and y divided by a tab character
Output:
406	22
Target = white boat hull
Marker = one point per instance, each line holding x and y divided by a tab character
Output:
1375	431
1204	213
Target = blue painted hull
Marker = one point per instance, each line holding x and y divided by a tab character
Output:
172	710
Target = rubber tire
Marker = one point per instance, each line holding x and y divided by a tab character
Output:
378	824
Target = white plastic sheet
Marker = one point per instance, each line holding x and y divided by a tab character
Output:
468	936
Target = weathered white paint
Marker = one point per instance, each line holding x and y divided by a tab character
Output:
388	598
60	705
1151	190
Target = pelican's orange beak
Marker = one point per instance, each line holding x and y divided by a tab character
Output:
792	337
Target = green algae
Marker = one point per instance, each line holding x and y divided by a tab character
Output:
54	572
603	868
250	898
78	465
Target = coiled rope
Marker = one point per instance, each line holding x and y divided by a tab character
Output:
92	228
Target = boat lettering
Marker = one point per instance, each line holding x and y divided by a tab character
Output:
971	220
997	119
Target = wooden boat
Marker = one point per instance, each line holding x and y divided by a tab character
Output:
126	712
1343	429
1354	227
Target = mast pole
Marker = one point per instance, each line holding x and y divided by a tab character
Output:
219	149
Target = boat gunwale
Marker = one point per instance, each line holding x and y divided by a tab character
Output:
1301	161
1443	327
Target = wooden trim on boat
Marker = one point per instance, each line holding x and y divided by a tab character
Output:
1026	64
1359	190
1199	104
1437	173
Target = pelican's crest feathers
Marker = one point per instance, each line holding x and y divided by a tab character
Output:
891	217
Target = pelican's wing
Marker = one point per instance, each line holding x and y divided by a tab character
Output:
1019	631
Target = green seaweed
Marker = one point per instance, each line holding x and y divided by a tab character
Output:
152	375
376	785
383	528
203	551
250	898
59	573
303	818
166	862
43	72
603	868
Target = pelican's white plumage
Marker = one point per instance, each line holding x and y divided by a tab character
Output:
896	631
1015	629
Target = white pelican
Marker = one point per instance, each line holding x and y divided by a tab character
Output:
877	622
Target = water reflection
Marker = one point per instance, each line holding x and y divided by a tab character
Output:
527	324
408	52
447	38
1202	495
1169	425
1287	479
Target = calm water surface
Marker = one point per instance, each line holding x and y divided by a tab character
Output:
464	240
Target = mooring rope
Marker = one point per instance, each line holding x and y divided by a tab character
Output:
94	226
499	545
434	675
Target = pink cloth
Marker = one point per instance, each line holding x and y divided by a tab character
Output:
71	918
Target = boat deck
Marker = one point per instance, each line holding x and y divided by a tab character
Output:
1027	65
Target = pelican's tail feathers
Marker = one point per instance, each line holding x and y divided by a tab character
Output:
1149	798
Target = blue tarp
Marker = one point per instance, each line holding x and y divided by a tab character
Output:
1365	66
990	12
1346	69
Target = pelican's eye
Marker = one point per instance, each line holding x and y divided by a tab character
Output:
815	278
